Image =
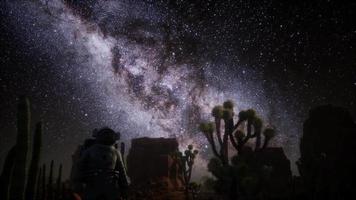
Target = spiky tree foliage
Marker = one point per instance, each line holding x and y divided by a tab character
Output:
19	174
34	165
234	179
220	113
185	164
5	178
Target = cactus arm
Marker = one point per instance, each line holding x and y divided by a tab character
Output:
44	192
50	182
36	156
19	175
5	178
38	185
59	182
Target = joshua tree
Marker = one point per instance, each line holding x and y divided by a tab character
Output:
232	132
231	178
185	164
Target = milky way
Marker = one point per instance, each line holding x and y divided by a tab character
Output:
139	68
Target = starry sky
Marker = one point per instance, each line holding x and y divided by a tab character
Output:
156	68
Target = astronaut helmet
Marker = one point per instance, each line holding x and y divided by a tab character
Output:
106	136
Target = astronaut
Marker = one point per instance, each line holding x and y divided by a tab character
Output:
101	167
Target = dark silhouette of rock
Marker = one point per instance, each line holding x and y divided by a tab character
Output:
150	161
275	171
328	154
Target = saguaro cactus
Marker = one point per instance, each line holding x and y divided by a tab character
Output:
5	178
50	182
59	183
19	175
39	184
43	196
33	171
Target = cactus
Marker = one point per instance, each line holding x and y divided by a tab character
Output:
36	151
50	182
19	175
5	178
43	196
38	184
59	183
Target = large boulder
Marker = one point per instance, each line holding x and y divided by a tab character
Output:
150	163
328	154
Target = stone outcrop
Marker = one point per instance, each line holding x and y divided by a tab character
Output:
327	164
149	162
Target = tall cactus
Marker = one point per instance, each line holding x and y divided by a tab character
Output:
59	183
38	185
36	151
50	182
43	182
5	178
17	188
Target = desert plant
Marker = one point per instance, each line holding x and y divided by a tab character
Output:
38	184
50	182
59	183
43	182
34	165
185	162
236	178
5	178
19	173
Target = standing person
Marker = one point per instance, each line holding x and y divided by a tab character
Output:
101	168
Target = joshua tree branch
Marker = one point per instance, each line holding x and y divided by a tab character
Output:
218	130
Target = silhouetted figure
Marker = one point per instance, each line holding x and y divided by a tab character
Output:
101	168
328	154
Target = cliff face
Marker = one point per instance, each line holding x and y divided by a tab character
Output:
327	164
149	162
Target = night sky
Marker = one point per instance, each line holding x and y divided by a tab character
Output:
156	68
